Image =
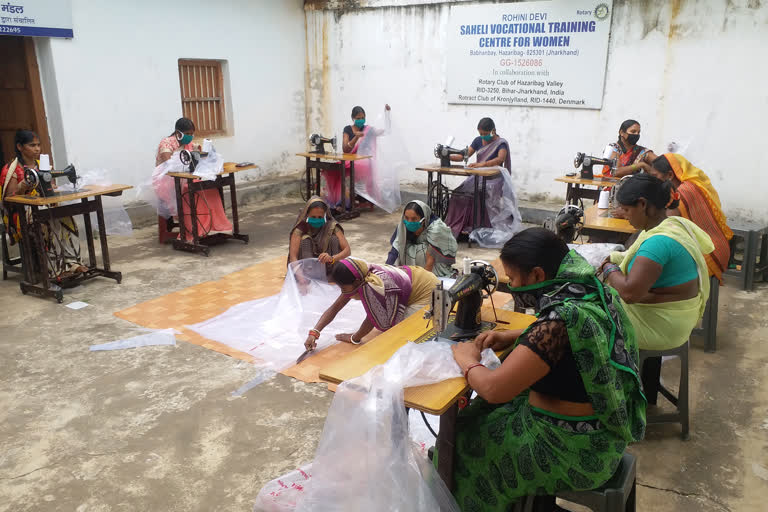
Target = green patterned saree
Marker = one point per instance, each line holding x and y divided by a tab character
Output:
506	451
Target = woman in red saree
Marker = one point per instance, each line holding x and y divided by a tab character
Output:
630	157
699	203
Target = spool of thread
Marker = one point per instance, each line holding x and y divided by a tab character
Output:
605	199
45	163
449	140
207	145
467	265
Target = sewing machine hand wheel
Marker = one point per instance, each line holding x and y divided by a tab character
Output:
489	274
31	177
185	156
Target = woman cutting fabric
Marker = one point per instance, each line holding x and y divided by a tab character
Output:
630	157
423	240
60	236
209	207
560	410
389	294
700	204
492	151
661	277
356	135
316	234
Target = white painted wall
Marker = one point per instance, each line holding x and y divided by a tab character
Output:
691	71
112	92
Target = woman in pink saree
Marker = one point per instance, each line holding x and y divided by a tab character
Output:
211	216
358	137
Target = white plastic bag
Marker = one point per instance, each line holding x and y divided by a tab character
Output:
116	219
365	459
595	254
502	212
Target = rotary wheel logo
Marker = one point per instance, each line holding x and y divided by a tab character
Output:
601	11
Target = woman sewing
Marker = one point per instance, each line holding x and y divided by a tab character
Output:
353	137
661	277
211	217
630	157
60	236
389	294
560	410
422	239
492	150
316	234
699	203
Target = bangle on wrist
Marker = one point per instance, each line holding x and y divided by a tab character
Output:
314	333
466	372
352	340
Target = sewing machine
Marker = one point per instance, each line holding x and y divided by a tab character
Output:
319	142
444	152
567	224
586	163
190	159
468	292
43	180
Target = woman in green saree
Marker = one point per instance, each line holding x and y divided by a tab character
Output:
559	412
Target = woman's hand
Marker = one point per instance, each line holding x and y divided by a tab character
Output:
466	354
475	164
346	338
310	343
643	167
325	258
493	340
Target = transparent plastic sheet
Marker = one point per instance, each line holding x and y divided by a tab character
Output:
116	219
390	159
365	459
503	214
155	337
595	254
159	190
273	329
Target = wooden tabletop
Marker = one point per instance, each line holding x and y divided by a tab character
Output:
595	182
347	157
600	219
229	168
82	193
460	171
433	398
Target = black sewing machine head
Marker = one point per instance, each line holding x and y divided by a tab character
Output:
468	292
444	153
586	163
567	224
190	159
43	180
318	143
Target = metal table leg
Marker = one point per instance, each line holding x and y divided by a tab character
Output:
309	178
89	236
235	216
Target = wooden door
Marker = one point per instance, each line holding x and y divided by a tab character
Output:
21	96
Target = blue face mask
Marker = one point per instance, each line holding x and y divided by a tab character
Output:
185	139
412	226
316	222
360	122
487	138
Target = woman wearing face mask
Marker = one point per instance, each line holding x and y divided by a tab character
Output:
423	240
560	410
389	294
353	138
662	278
492	150
630	157
60	236
316	234
699	203
211	216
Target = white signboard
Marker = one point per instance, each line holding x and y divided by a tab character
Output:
41	18
533	54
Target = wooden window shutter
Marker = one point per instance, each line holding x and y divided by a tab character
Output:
202	95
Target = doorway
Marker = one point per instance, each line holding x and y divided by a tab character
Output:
21	95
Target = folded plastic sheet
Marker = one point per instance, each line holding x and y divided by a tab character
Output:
595	254
365	459
159	337
273	329
503	213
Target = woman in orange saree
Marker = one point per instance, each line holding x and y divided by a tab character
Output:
699	203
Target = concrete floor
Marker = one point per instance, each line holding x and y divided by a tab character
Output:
156	428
